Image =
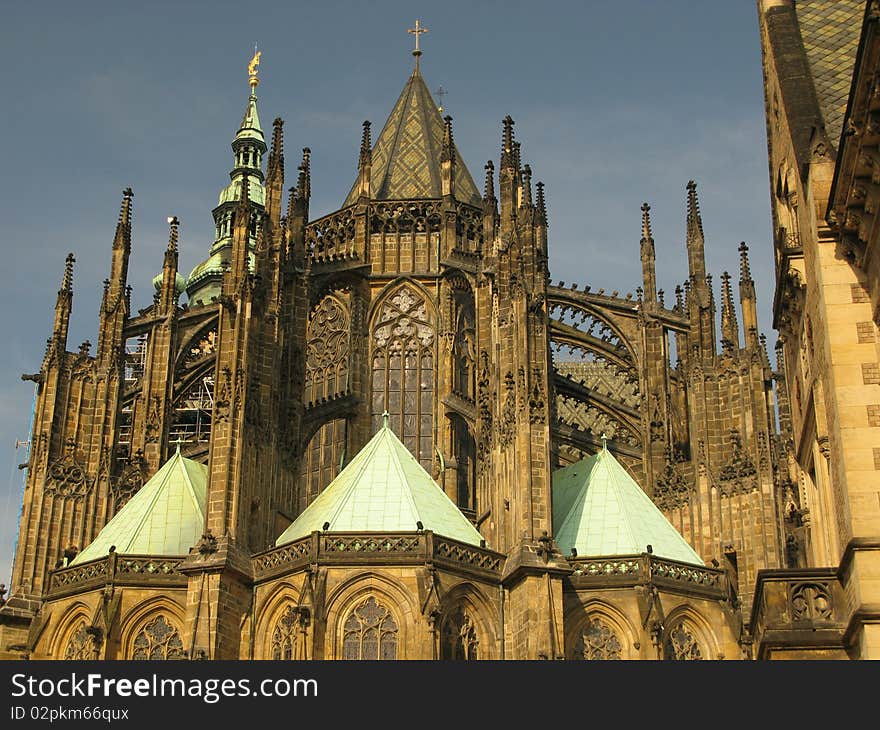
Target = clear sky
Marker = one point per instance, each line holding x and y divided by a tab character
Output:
615	103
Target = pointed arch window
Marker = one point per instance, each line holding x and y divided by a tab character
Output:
327	350
370	632
682	643
81	644
598	641
458	637
158	639
403	339
285	634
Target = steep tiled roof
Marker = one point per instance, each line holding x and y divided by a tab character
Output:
406	156
830	33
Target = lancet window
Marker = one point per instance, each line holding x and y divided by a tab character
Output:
458	637
403	338
285	634
370	632
327	350
158	639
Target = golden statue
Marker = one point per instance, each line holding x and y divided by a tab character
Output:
252	67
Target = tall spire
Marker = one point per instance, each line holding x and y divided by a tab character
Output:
169	284
729	326
64	304
275	174
747	298
649	274
115	302
248	147
507	177
695	240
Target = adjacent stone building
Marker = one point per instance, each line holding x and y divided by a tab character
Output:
386	433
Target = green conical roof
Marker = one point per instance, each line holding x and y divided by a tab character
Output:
406	157
600	510
165	517
250	123
383	489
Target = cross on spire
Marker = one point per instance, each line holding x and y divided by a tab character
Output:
441	92
417	31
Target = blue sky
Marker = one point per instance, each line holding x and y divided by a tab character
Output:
615	103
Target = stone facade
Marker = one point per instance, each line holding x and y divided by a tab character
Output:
820	64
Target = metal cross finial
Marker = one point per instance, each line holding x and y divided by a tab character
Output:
441	92
180	440
417	31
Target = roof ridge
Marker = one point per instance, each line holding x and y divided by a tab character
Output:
169	465
407	487
619	495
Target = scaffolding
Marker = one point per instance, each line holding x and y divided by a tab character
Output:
191	422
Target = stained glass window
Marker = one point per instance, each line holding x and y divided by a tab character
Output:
682	645
403	372
158	639
370	632
598	641
327	350
323	457
284	635
81	644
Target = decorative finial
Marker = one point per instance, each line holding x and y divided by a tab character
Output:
489	187
385	415
526	200
417	31
646	222
541	203
694	220
448	148
253	71
507	151
173	223
67	280
604	441
366	144
745	273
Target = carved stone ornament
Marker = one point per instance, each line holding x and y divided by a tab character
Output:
68	479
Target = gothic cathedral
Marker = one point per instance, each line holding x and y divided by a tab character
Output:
386	433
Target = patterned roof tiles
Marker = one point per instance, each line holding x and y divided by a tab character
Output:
830	33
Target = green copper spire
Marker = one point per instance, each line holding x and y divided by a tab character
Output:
600	510
248	148
383	489
165	517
